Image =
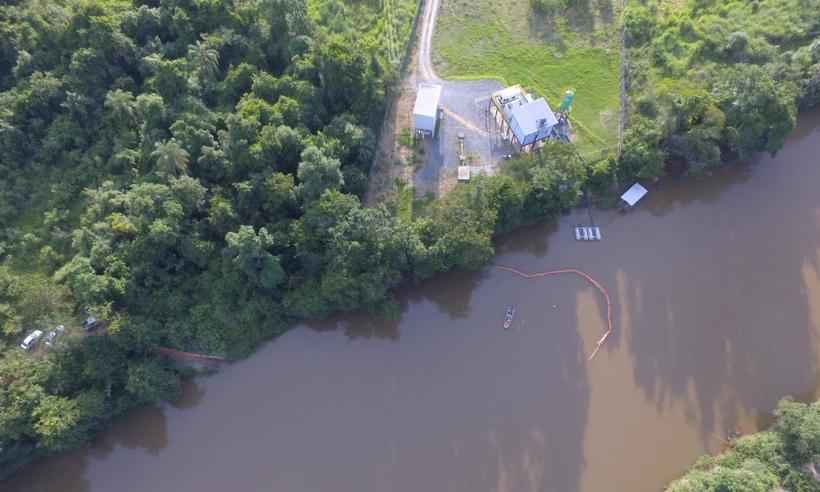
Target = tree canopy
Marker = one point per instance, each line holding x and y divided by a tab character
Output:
710	81
770	460
190	172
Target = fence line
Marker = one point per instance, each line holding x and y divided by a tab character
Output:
624	74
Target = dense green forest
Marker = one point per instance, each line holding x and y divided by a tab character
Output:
711	81
187	171
782	458
190	171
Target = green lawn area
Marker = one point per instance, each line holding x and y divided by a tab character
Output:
576	48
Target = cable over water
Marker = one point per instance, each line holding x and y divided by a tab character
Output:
586	277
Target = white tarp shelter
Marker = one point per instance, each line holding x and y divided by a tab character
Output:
425	112
634	194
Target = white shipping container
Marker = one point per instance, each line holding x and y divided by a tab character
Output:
425	111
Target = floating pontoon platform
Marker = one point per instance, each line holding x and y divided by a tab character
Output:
592	233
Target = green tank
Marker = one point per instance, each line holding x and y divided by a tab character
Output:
566	103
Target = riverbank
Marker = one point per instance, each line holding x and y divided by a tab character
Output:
719	284
199	201
156	163
781	458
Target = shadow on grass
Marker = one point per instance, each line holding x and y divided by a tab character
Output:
559	27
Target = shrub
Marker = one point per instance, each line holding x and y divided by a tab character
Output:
548	6
639	26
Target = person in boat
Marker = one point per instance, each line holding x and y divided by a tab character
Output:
508	317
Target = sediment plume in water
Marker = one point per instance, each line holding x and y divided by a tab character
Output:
586	277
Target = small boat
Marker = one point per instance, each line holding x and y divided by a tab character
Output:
508	318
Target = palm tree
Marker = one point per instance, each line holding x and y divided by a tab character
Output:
204	58
121	105
171	157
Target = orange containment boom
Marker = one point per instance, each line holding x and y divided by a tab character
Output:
586	277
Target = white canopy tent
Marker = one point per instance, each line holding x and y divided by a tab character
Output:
634	194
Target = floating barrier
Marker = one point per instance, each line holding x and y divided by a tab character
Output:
586	277
190	357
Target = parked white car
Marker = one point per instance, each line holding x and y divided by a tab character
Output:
91	323
51	337
31	340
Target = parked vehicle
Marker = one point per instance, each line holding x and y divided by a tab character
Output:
51	336
91	323
31	340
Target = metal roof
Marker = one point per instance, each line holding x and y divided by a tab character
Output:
427	100
634	194
525	120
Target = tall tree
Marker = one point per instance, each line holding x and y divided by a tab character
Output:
121	106
170	157
204	58
318	173
248	250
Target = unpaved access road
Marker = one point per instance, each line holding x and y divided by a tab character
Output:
464	105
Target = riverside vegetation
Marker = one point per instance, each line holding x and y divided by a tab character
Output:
710	82
782	458
713	81
190	171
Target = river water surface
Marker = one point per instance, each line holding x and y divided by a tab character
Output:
716	292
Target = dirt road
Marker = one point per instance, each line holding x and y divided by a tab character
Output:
464	107
427	28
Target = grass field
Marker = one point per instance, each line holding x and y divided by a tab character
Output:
577	48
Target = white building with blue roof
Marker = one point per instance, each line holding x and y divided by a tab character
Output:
524	120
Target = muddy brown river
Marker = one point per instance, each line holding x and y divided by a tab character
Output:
716	292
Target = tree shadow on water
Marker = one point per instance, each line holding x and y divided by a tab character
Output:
144	428
512	405
451	292
360	325
723	313
65	472
190	396
532	240
674	192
